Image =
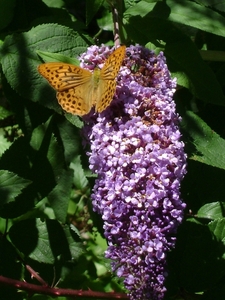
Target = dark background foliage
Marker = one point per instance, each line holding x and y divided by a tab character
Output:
49	235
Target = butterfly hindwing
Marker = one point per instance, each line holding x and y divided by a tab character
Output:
73	101
106	93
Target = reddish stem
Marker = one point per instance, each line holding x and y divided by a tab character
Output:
35	275
32	288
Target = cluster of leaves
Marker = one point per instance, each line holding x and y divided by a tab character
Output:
46	221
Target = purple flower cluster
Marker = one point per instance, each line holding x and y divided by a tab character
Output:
140	161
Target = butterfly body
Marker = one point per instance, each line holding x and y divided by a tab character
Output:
79	89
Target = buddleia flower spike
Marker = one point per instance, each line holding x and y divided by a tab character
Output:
137	152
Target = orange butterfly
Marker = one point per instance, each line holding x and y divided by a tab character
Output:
79	89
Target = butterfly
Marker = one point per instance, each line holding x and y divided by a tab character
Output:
78	90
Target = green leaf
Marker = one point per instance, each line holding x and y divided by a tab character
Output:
92	7
28	241
4	113
217	227
181	53
214	210
47	158
142	8
192	14
60	195
4	144
209	145
75	120
71	139
55	57
204	82
31	238
43	241
197	251
20	60
15	159
106	22
74	241
11	186
80	179
197	16
54	3
182	79
28	114
216	4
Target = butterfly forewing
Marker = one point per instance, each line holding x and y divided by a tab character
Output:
64	76
107	82
113	63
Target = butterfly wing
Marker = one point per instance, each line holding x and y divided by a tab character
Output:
71	83
107	81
